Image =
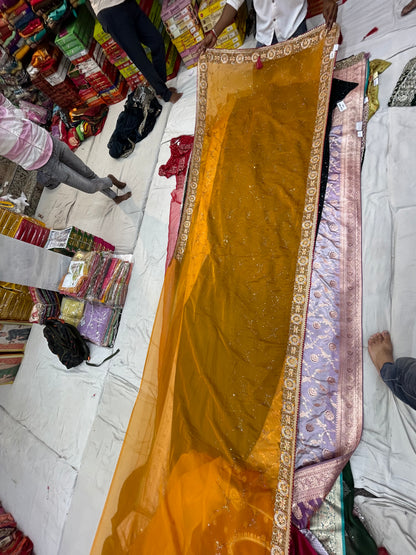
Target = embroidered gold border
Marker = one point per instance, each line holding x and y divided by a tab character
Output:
281	529
293	362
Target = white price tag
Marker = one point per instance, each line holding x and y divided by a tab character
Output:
341	106
359	125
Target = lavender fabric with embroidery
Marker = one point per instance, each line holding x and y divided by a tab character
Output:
95	321
316	436
319	387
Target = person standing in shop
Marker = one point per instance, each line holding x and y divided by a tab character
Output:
129	26
276	20
24	142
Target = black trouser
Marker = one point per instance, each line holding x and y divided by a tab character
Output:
129	27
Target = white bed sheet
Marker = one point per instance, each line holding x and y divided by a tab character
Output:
61	432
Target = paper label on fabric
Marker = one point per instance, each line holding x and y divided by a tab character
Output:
365	99
334	51
359	125
359	134
341	106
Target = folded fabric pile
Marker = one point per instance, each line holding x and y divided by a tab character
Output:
97	277
26	27
12	540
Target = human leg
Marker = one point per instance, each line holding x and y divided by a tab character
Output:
399	376
66	167
121	22
150	37
300	30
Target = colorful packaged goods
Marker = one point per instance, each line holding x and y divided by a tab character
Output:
183	26
23	228
31	232
76	35
9	222
98	277
71	239
15	302
48	72
233	36
46	305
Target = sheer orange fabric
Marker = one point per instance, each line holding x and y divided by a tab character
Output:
207	462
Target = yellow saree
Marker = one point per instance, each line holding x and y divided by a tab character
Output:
208	459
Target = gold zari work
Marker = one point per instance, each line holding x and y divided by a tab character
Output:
207	462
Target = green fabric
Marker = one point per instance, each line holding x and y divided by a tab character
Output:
357	540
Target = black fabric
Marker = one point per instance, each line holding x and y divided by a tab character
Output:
133	124
65	341
339	91
357	539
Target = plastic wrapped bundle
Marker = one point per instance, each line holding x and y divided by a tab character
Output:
72	310
99	324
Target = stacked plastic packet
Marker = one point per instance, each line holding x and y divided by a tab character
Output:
29	230
72	310
71	239
15	302
99	324
47	304
101	280
97	277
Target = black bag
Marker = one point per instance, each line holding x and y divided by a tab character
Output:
135	122
65	341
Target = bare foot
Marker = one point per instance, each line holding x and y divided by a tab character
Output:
116	182
381	349
175	96
409	7
119	199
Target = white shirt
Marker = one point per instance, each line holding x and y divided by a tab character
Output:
281	17
98	5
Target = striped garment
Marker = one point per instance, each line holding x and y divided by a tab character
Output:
21	140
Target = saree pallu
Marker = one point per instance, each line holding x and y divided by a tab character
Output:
208	459
330	413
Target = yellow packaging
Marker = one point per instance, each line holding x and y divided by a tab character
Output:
208	7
